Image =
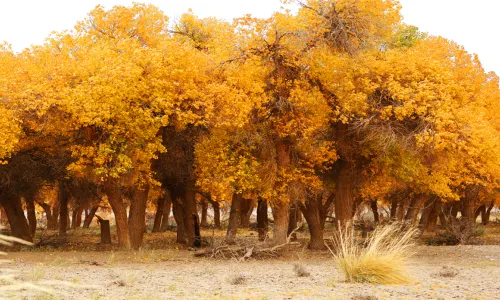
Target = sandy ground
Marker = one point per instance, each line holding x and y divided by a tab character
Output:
174	274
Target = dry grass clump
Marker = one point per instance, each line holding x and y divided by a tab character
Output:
364	297
301	271
448	272
381	259
237	279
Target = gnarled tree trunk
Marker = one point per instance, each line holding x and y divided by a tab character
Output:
30	207
247	206
15	214
315	213
178	215
486	219
90	216
281	207
414	208
159	214
344	192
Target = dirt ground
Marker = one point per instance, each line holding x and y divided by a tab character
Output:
176	274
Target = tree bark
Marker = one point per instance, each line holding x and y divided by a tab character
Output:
486	219
204	213
178	215
90	216
15	214
112	190
315	213
468	206
394	207
281	211
343	194
30	207
166	212
216	208
293	221
137	217
247	207
234	217
376	216
414	208
191	220
433	215
63	197
159	214
51	223
262	219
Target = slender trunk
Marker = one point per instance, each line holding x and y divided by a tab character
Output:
394	207
73	217
78	221
486	219
204	213
424	218
55	212
216	207
137	217
166	212
262	219
234	217
178	215
51	223
293	222
63	197
30	207
159	213
90	216
344	198
415	207
456	206
480	210
376	216
15	214
112	190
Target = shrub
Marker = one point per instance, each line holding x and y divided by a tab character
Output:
381	259
237	279
301	271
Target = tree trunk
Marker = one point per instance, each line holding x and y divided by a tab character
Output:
247	207
315	213
56	207
159	213
216	207
30	207
178	215
15	214
414	208
262	219
343	194
51	223
376	216
394	207
90	216
293	221
191	220
234	217
433	215
281	211
486	219
166	212
468	206
455	208
424	218
63	197
137	217
3	216
112	190
204	213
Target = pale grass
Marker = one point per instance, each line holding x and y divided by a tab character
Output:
381	259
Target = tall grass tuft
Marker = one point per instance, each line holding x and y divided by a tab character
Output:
381	259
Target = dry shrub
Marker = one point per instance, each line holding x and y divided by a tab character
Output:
237	279
301	271
381	259
448	272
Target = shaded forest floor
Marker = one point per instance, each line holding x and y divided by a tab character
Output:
84	270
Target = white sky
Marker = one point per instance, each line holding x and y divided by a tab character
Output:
473	24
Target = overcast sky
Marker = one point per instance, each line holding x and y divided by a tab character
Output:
473	24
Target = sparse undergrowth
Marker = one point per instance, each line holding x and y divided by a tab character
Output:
301	271
380	260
